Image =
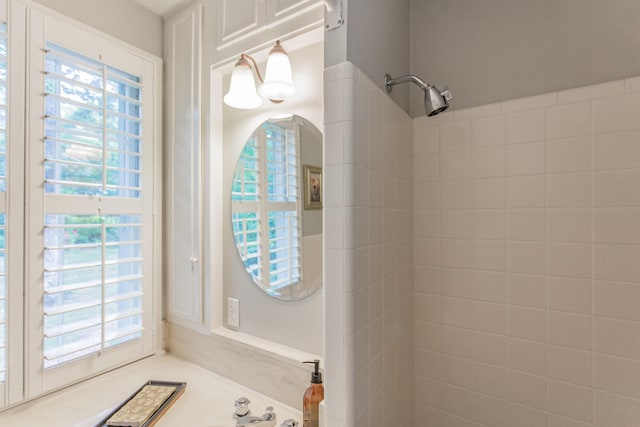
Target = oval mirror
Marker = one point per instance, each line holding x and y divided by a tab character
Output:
276	207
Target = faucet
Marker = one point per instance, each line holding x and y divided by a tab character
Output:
267	420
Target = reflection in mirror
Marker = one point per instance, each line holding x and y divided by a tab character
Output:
279	239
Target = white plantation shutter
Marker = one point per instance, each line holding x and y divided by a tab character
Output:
91	212
4	301
266	207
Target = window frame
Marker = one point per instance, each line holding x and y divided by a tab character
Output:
42	26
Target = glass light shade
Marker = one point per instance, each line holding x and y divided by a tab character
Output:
242	89
278	84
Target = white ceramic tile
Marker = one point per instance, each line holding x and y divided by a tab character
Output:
489	193
526	224
456	194
489	131
489	348
456	312
571	365
632	85
571	400
456	341
457	371
617	375
334	233
570	294
426	168
617	188
489	255
616	225
456	253
613	410
456	224
489	286
519	415
455	136
527	389
526	126
527	323
616	262
526	159
570	260
527	290
569	225
488	162
527	356
489	224
455	165
616	151
616	114
569	155
617	300
527	257
427	338
489	410
457	401
333	102
569	190
617	337
489	317
569	120
526	191
570	330
455	282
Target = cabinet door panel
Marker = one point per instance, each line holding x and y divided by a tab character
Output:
279	9
238	18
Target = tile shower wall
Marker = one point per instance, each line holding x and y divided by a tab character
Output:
527	262
368	254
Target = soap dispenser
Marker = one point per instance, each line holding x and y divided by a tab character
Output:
312	398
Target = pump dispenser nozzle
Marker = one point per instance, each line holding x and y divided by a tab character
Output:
316	375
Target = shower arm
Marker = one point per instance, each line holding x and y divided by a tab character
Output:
389	82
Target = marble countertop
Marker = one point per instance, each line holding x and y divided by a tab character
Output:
207	401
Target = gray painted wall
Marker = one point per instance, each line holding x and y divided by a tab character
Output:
493	50
378	41
122	19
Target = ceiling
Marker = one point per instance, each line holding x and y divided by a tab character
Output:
162	7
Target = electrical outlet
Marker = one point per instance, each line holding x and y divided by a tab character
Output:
233	312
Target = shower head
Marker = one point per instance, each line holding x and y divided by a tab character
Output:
435	102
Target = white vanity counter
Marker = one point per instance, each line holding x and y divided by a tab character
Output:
207	401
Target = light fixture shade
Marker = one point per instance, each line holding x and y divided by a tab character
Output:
242	89
278	84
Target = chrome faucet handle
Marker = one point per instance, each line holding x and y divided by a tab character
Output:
269	415
242	407
289	423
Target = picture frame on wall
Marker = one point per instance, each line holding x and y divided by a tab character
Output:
313	187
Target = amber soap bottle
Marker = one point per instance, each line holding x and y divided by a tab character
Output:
312	398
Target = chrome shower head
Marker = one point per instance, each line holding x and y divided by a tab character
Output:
435	102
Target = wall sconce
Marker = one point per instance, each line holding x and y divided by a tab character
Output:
276	86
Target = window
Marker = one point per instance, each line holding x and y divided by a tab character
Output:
265	202
90	226
92	262
3	188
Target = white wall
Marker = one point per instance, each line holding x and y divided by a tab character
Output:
122	19
296	324
494	50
